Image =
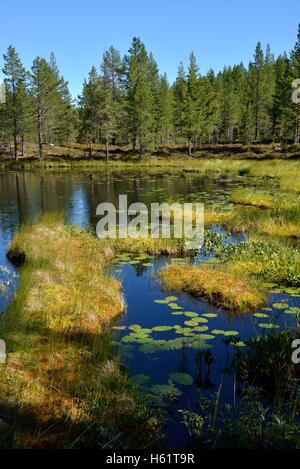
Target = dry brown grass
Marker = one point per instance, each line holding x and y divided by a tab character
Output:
219	287
62	382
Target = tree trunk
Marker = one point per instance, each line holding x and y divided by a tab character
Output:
190	147
297	131
15	139
107	151
23	146
40	136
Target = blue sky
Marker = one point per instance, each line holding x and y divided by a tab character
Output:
220	32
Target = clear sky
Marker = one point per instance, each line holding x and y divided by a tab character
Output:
220	32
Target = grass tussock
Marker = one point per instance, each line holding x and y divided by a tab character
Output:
219	287
62	385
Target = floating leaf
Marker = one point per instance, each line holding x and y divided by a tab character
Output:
191	323
230	333
268	326
148	264
261	315
161	302
280	305
169	299
174	306
210	315
206	336
182	378
162	328
190	314
140	379
200	328
200	319
134	327
177	313
217	332
240	344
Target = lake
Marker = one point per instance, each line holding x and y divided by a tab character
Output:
174	376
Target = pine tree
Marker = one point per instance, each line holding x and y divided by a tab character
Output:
295	59
179	90
192	120
16	94
139	96
89	110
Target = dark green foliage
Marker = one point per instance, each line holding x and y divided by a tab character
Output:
129	102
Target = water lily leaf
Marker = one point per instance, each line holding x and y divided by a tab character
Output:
182	378
162	328
165	390
280	305
206	336
140	379
293	310
170	299
177	313
174	306
148	264
190	314
200	344
210	315
191	323
261	315
134	327
200	319
268	326
240	344
217	332
230	333
134	262
161	302
200	328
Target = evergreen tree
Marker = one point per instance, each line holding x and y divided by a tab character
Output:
179	90
16	95
89	110
192	118
139	96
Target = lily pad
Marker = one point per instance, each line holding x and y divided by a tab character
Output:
200	328
261	315
162	328
134	327
169	299
140	379
280	305
182	378
161	302
210	315
191	323
268	326
174	306
190	314
230	333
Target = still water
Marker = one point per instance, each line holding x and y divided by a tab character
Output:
162	369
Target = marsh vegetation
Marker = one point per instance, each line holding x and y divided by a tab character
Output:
106	345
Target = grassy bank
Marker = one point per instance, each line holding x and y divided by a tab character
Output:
62	385
221	288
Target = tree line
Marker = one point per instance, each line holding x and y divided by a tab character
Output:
127	101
